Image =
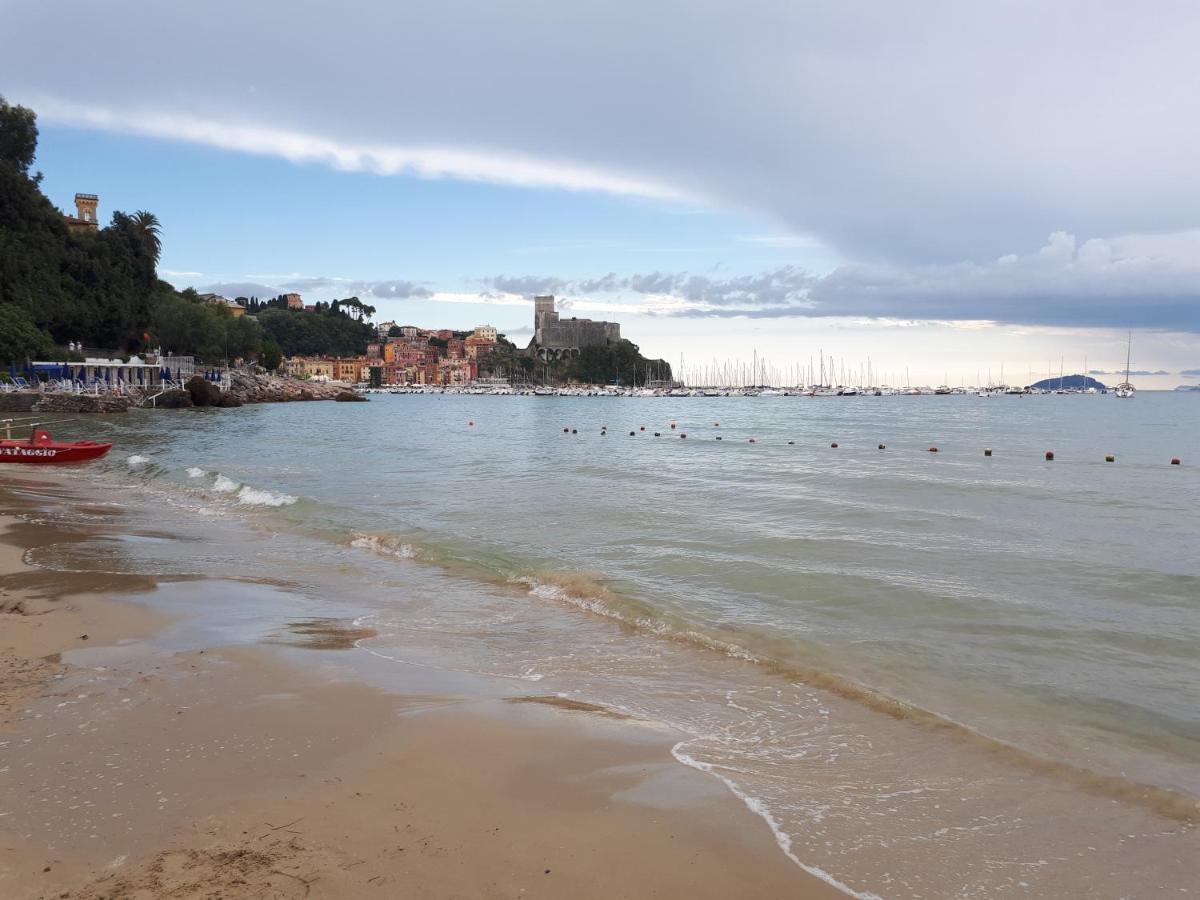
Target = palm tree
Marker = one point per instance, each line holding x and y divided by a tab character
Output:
147	227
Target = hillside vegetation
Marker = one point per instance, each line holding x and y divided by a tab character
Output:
102	289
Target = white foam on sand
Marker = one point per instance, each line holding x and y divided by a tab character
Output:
193	472
136	460
385	545
756	806
249	496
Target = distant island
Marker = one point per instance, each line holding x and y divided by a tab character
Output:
1186	388
1069	383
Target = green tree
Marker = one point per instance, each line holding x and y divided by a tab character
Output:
148	229
18	136
271	357
20	339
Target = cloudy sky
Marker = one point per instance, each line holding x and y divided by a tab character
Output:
947	188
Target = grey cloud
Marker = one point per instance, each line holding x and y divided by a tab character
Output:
325	287
902	132
398	290
1132	372
314	283
603	285
1135	280
527	284
241	289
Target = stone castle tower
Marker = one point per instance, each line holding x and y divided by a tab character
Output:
85	205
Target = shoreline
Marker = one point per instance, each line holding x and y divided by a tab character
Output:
136	770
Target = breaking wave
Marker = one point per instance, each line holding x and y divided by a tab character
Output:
249	496
384	545
225	485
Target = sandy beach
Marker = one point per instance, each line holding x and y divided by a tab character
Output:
133	770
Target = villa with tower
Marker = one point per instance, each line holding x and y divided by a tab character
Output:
85	218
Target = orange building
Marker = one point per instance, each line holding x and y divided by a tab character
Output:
85	206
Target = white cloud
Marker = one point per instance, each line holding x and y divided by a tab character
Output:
470	164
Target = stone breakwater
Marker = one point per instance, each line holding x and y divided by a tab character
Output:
244	388
38	402
250	388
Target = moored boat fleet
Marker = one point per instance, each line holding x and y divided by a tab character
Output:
525	390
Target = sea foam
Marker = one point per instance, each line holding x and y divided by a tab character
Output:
136	460
225	485
249	496
384	545
193	472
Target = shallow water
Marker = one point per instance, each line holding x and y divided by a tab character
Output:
935	674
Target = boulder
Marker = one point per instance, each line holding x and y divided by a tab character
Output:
350	397
174	400
203	391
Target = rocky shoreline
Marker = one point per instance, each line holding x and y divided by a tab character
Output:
245	387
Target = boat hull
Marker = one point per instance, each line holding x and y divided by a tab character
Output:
51	453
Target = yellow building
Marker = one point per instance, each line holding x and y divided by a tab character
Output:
309	367
351	371
85	207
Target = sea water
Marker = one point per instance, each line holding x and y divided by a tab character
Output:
932	674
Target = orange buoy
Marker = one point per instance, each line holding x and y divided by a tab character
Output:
987	451
1175	461
834	445
1049	455
1110	458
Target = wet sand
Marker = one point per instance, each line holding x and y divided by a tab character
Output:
135	771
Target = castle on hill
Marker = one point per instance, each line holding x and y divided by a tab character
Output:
558	338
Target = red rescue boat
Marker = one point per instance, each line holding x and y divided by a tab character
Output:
41	448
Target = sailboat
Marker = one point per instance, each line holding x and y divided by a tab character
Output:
1125	389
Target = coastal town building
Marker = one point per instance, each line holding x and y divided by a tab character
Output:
414	356
235	309
84	219
558	338
316	368
294	301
